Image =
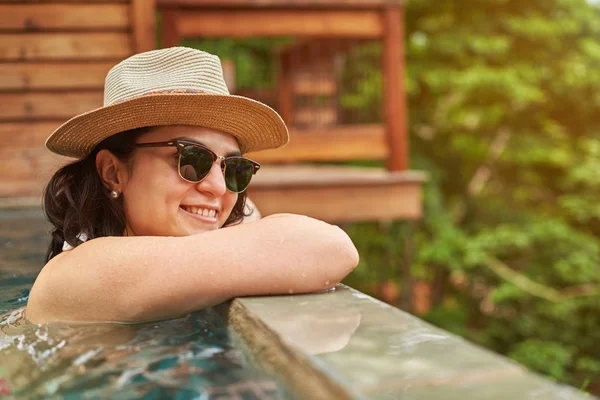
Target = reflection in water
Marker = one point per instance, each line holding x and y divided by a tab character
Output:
185	358
327	331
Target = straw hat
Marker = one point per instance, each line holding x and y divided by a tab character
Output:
174	86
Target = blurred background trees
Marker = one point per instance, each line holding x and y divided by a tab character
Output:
504	100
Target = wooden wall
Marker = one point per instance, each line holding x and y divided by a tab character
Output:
54	56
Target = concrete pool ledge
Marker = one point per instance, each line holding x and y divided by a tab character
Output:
34	202
344	344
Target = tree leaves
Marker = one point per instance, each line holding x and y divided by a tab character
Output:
523	250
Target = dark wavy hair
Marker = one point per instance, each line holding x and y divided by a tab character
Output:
75	200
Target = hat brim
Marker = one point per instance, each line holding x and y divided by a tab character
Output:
254	124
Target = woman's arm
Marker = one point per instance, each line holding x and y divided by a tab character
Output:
134	279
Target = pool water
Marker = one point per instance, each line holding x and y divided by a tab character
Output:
187	358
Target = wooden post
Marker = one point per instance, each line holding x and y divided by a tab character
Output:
394	94
143	16
286	100
170	29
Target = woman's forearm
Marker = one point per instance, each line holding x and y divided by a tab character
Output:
299	254
279	254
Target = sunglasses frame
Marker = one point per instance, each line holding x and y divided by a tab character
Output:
182	144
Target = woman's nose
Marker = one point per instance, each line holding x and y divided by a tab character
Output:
214	182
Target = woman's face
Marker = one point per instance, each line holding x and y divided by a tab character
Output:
158	202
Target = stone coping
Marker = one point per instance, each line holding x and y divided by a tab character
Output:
344	344
18	203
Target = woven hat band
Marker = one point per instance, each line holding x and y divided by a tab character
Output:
163	92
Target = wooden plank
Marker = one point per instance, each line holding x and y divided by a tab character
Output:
243	23
43	17
395	103
26	171
354	200
48	76
312	175
56	106
64	46
144	25
342	143
277	3
26	164
29	163
170	34
61	1
380	203
26	134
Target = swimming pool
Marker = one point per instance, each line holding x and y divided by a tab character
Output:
341	344
186	358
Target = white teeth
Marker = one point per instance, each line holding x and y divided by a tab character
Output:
200	211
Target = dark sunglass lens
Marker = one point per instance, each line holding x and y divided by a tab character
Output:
195	163
238	173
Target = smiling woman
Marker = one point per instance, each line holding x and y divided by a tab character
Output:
160	171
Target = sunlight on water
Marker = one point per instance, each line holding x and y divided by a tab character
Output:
187	358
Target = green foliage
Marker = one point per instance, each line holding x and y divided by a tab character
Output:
510	89
548	357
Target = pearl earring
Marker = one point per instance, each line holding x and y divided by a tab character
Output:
114	194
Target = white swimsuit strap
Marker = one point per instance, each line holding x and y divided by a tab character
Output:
66	246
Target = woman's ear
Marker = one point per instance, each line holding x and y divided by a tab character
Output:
113	173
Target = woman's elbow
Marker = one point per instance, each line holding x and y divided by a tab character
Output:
346	254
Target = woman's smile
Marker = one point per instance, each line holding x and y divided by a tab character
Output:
201	213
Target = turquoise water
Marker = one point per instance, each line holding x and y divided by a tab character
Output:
186	358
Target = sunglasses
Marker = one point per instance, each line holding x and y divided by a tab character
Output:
195	162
